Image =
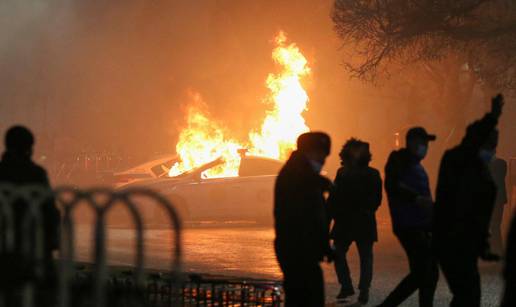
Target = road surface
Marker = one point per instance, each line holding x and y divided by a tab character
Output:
248	252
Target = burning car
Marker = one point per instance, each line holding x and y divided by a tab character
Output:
236	186
244	198
156	168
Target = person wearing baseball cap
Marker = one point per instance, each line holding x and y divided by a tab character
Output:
410	205
300	222
420	132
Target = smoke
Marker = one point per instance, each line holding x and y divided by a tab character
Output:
112	75
32	38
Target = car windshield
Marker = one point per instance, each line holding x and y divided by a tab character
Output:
162	169
201	169
249	166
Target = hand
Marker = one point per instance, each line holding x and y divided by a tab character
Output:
497	105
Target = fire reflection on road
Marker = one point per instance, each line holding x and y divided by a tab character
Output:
234	251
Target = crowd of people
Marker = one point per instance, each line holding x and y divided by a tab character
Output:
317	220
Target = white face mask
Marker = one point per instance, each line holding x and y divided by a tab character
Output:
421	151
486	155
316	166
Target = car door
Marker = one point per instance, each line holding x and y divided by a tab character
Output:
257	197
222	198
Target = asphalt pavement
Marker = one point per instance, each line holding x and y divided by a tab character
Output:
248	252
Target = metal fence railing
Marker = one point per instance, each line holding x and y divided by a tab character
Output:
98	284
192	290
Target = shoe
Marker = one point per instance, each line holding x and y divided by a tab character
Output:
363	297
345	293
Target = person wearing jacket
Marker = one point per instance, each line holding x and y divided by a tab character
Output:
300	221
509	271
352	205
17	170
466	193
410	205
498	169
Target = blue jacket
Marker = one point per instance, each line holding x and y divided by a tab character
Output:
405	180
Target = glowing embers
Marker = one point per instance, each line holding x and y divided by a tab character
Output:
204	140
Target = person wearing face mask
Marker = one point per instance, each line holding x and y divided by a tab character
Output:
410	206
465	197
352	205
300	221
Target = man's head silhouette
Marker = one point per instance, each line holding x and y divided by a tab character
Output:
19	141
315	146
417	141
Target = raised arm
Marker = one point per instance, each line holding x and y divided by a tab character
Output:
479	131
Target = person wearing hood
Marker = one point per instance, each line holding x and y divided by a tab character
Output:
352	205
300	222
410	205
465	197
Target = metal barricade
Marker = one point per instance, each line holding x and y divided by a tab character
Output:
68	199
98	285
33	196
108	200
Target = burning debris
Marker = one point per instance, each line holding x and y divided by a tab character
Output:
204	140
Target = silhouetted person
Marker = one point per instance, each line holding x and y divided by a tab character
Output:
465	197
355	197
498	169
17	169
509	272
410	205
302	236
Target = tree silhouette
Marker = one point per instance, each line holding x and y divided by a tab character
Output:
438	52
479	36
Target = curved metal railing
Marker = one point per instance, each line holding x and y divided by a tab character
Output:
101	201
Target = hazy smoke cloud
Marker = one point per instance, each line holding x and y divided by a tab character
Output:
112	75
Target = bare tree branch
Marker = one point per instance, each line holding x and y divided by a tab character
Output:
383	32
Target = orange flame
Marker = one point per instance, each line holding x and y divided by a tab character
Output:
285	122
204	140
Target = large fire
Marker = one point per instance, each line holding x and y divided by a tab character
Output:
204	140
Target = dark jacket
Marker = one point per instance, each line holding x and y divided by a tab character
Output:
466	193
19	171
355	197
498	169
300	220
509	272
405	180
